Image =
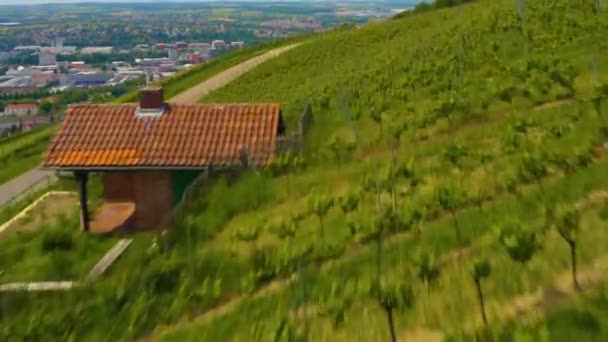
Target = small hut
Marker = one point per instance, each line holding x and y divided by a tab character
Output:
149	152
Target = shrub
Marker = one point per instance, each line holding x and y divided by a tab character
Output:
223	200
162	276
57	240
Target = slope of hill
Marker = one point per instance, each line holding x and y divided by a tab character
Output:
459	120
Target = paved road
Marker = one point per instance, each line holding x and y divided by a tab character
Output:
36	179
193	95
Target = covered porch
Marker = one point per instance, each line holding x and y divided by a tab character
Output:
132	200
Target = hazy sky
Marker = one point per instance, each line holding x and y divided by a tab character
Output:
25	2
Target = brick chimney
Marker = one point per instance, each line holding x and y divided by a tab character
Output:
151	102
151	98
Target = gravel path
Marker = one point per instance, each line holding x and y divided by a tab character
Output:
33	179
194	94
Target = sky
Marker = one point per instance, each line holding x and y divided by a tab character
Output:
26	2
32	2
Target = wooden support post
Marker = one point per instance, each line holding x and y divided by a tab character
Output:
82	177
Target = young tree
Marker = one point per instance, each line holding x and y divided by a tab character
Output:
377	118
520	243
287	163
319	206
391	297
390	184
388	220
45	107
396	131
349	203
376	186
455	154
534	166
447	198
481	270
567	224
428	271
409	172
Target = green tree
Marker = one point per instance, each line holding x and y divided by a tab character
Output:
520	243
409	172
377	118
428	271
534	165
481	270
455	155
320	205
349	203
45	107
447	197
391	297
567	224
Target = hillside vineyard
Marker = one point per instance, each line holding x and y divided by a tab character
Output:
452	186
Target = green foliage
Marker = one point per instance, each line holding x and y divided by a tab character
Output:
448	197
57	240
520	243
481	269
340	150
533	167
285	163
285	229
428	268
23	152
223	200
391	295
320	205
248	234
349	203
604	212
389	221
455	154
568	223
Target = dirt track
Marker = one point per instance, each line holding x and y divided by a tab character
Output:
194	94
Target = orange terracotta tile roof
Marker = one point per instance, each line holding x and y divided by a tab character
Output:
112	135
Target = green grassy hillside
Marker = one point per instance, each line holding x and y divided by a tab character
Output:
23	152
440	140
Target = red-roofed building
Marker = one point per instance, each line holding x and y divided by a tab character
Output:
21	109
149	152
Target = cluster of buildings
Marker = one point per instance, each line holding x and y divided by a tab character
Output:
64	75
57	75
21	117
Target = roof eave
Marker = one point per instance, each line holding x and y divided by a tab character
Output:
135	168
